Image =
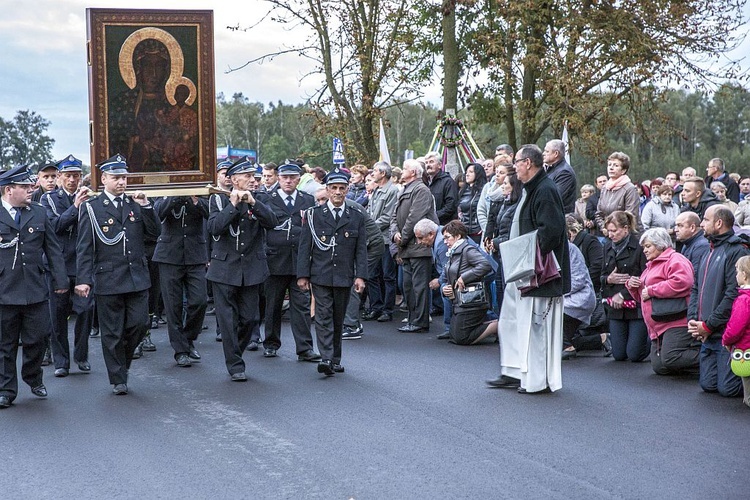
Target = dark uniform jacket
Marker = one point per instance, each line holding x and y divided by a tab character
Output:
543	210
22	273
64	217
283	239
122	267
238	252
182	241
340	264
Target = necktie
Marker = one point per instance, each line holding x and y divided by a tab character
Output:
289	202
17	217
337	214
119	206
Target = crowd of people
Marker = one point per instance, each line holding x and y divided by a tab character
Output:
637	271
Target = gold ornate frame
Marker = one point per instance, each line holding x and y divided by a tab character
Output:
187	36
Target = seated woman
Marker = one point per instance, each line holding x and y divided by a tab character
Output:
466	266
623	258
668	274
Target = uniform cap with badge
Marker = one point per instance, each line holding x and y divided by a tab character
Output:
243	165
69	164
289	168
17	175
116	165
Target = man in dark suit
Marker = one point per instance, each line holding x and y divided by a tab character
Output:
288	204
112	265
561	173
238	266
332	256
26	235
181	252
62	207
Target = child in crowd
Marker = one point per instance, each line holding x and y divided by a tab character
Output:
736	336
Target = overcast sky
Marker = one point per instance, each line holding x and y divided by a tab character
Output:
43	61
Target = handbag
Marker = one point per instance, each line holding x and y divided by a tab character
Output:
666	310
546	269
474	295
517	255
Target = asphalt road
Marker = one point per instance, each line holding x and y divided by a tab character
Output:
410	418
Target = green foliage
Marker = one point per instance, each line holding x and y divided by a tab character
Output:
23	140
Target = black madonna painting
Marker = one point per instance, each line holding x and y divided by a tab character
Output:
152	93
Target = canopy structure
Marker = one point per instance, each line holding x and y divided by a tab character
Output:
452	134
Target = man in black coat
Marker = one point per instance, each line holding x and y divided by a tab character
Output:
112	265
62	207
442	187
332	256
288	204
237	224
182	253
561	173
26	236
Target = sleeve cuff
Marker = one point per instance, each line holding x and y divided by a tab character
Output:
705	327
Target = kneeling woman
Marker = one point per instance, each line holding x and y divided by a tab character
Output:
466	266
668	275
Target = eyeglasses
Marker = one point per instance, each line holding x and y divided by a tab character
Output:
519	160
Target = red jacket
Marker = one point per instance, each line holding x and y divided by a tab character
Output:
737	332
667	276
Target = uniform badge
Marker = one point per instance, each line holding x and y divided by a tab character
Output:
106	202
111	221
105	229
31	229
132	219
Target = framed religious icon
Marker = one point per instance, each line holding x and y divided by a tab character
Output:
152	97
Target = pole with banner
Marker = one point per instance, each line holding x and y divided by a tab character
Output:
338	152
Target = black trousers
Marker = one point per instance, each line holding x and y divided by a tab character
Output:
123	322
183	289
417	273
238	315
330	308
299	312
33	322
63	305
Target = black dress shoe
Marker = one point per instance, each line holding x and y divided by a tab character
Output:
504	382
183	360
409	328
239	377
337	368
5	402
444	336
325	368
120	389
269	352
385	318
546	390
309	356
252	346
84	366
218	336
39	391
61	372
370	316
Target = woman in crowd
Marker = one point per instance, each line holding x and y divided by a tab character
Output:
498	226
623	258
644	194
587	191
618	193
720	190
357	189
466	266
588	244
661	211
492	191
579	303
468	199
668	275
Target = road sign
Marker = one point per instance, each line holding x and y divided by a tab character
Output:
338	152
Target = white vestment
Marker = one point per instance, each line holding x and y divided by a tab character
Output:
530	332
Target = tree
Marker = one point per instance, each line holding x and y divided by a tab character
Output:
23	140
360	48
544	62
